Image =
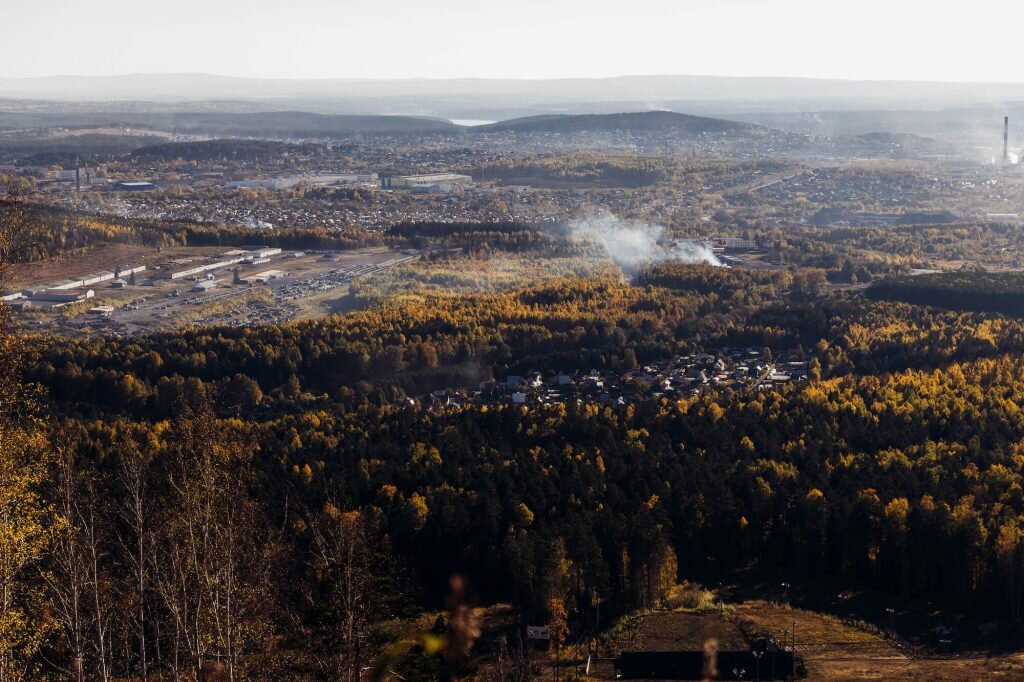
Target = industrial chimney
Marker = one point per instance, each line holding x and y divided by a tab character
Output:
1006	140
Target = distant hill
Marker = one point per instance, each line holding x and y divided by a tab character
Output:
89	148
283	124
299	124
978	119
888	145
458	97
646	121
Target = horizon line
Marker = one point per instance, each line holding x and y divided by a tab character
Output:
396	79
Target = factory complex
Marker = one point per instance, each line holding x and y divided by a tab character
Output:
432	183
187	286
72	290
253	255
292	181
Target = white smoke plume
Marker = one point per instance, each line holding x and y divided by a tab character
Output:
633	243
690	251
630	243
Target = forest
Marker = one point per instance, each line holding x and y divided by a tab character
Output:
880	470
273	502
905	479
996	292
59	233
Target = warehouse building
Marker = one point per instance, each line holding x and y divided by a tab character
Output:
63	296
265	276
66	284
206	285
451	180
199	269
96	278
324	180
261	251
131	269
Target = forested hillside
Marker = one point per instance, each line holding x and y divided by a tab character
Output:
265	502
638	121
907	481
206	150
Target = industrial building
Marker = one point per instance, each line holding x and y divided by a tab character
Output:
326	180
63	296
199	269
134	186
206	285
88	280
265	276
732	243
262	251
76	175
96	278
67	284
126	270
249	255
426	183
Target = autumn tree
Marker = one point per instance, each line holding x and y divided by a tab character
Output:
27	520
212	558
340	561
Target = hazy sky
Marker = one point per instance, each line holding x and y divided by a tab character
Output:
867	39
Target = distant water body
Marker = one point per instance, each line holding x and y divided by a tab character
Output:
470	122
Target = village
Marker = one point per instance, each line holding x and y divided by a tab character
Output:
727	369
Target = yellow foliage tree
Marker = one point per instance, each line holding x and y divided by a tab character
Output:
26	520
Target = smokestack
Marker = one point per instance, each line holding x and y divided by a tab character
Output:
78	179
1006	140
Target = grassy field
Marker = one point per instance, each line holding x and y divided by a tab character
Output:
830	648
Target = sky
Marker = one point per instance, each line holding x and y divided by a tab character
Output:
942	40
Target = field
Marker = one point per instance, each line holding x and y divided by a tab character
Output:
831	649
98	258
